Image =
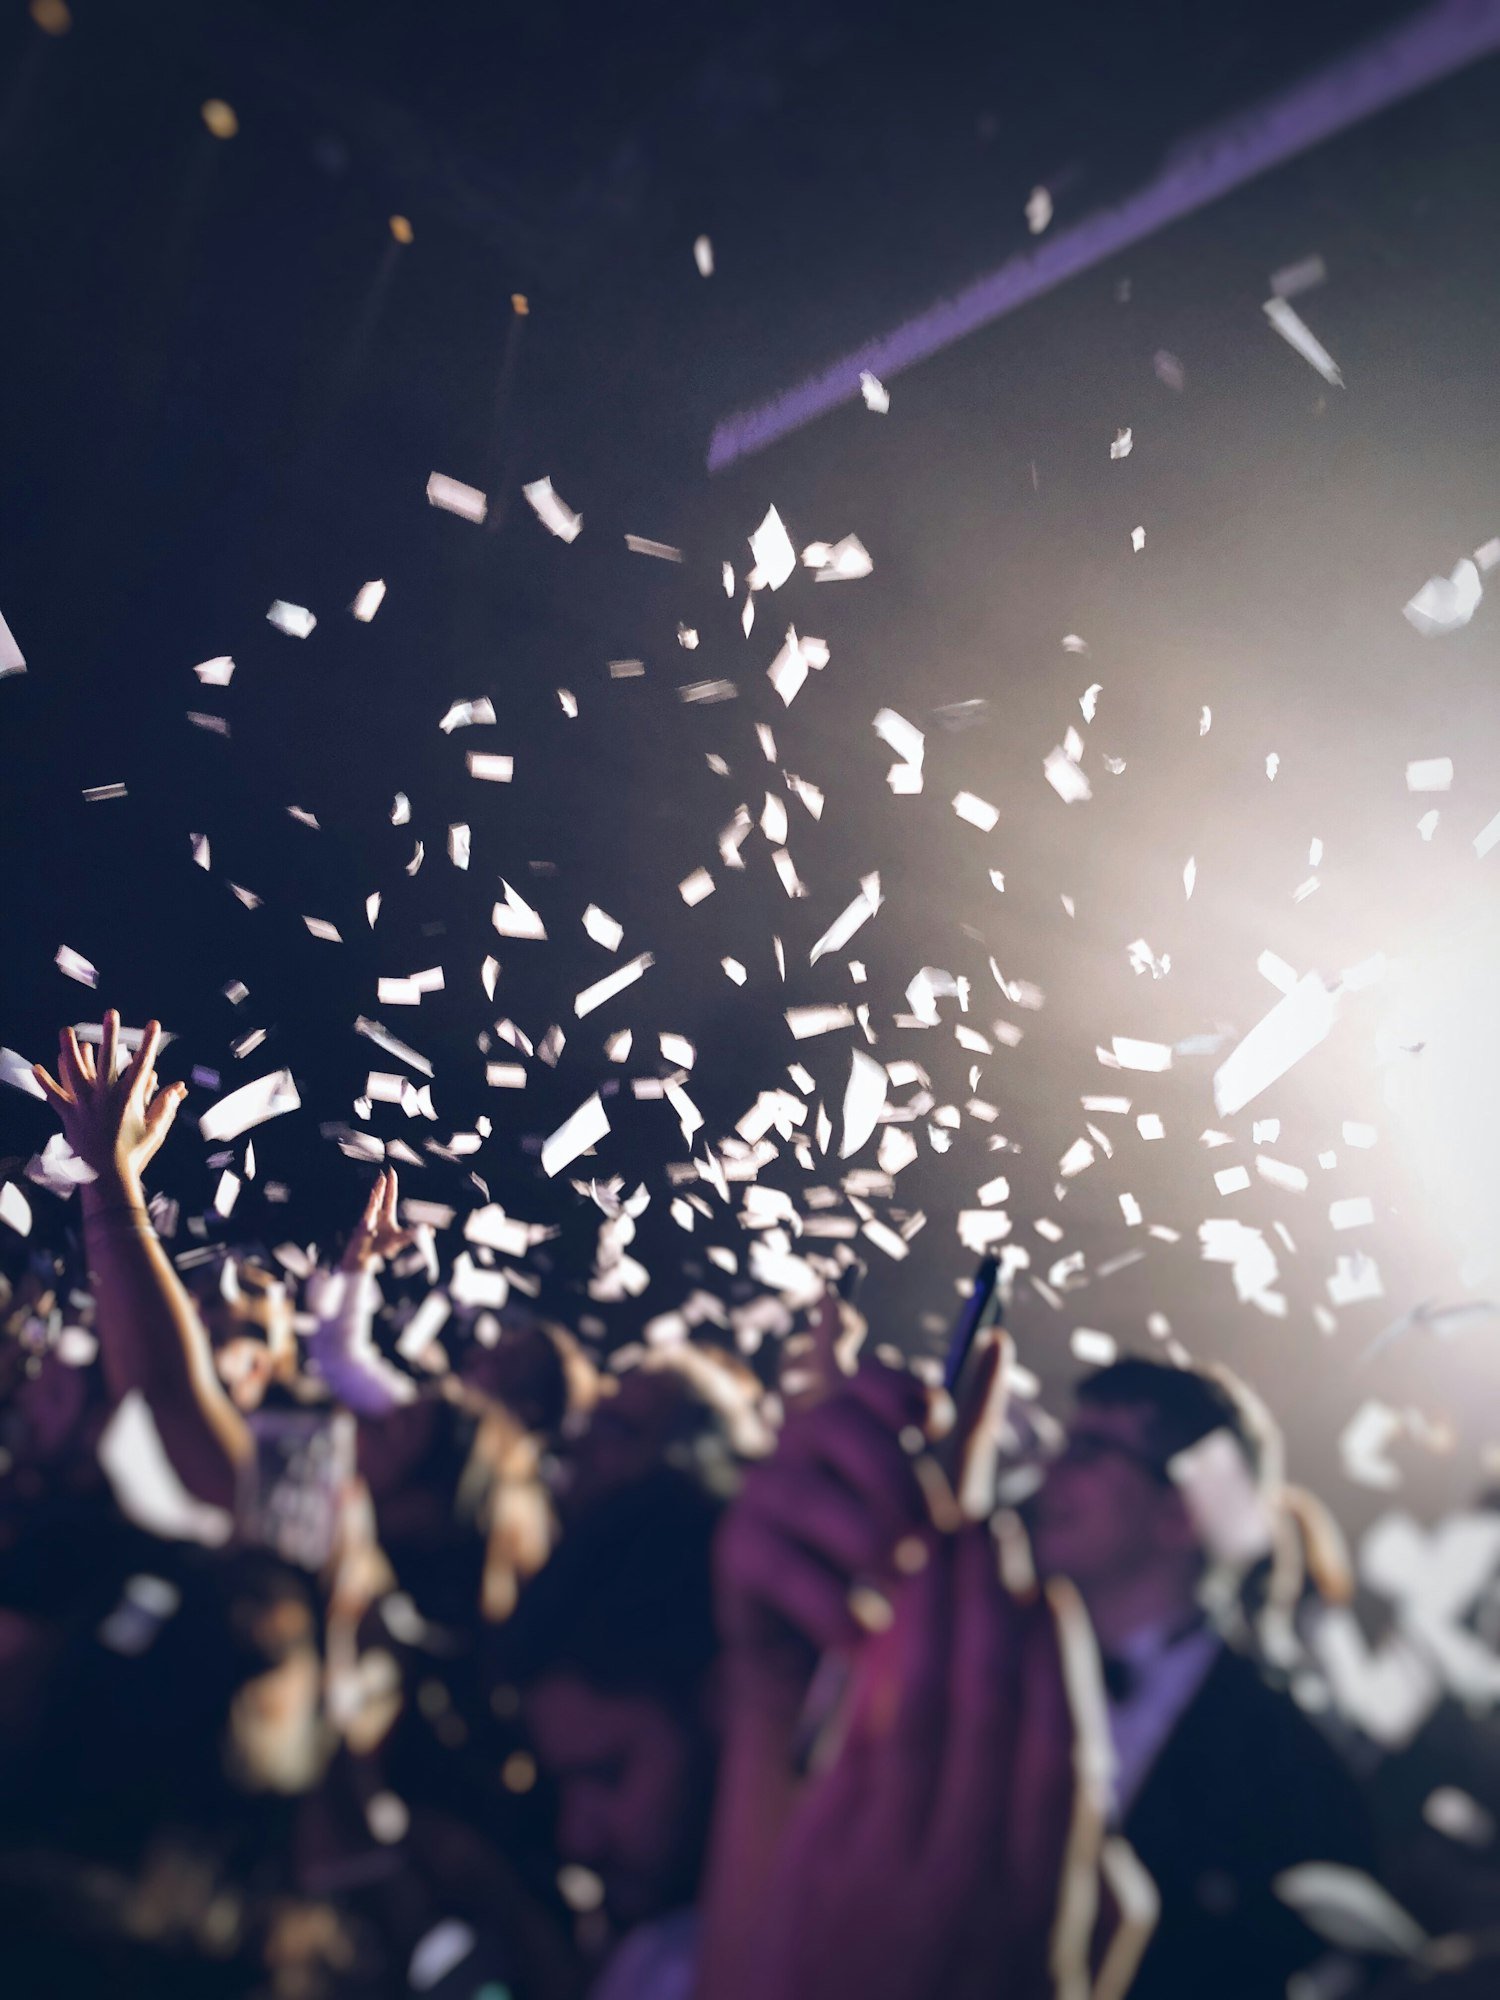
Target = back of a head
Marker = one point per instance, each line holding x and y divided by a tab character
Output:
1182	1405
626	1602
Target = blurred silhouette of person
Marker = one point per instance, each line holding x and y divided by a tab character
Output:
614	1649
1221	1783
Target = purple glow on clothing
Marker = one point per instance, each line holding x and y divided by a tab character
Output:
1445	38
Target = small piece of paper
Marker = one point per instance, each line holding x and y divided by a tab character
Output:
491	766
293	619
613	983
876	395
74	965
368	600
453	497
216	673
516	918
1430	774
1293	329
1446	603
585	1128
771	546
552	511
978	812
252	1104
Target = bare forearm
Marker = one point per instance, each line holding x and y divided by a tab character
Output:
153	1341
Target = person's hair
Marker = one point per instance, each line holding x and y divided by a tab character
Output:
626	1602
1182	1406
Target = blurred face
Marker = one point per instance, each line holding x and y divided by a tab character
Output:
633	1784
1104	1512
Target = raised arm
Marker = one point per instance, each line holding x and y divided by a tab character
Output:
150	1335
344	1304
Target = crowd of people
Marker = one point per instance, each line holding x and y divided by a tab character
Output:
341	1661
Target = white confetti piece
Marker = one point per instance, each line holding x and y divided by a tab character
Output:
515	917
74	965
491	766
216	725
805	1022
1446	604
1189	878
15	1209
1279	1174
1281	975
95	794
552	511
864	1099
368	599
384	1039
693	888
1149	1125
247	896
453	497
786	870
733	970
1138	539
226	1194
839	932
1095	1350
293	619
771	546
1132	1054
1295	1026
568	703
321	928
703	256
1121	444
638	545
1460	1817
461	714
458	845
585	1128
617	1046
505	1076
1231	1180
1354	1212
1065	778
1038	210
1079	1156
1346	1908
677	1049
1430	774
614	982
252	1104
200	848
1293	329
217	672
876	395
978	812
12	659
602	929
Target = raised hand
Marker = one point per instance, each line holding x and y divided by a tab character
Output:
378	1236
827	1512
932	1857
114	1122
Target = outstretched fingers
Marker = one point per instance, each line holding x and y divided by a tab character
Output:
57	1096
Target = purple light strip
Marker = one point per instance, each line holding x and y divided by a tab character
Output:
1445	38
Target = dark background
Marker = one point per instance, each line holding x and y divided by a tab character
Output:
224	382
